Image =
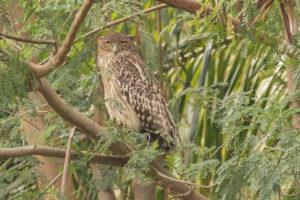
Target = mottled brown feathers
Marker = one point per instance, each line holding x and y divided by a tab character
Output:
133	97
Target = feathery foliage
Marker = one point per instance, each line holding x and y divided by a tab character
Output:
227	91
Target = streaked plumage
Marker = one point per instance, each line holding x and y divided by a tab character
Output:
133	97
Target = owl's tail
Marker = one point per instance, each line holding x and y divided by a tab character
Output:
166	144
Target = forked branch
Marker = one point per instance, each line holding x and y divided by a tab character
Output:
91	128
43	70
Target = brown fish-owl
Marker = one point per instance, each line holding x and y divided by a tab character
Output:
132	95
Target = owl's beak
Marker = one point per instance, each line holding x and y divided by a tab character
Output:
114	48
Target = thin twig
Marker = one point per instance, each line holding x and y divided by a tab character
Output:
182	181
32	124
21	114
50	184
184	194
67	160
62	26
160	6
15	45
28	40
214	153
85	193
5	164
16	166
160	55
291	195
118	21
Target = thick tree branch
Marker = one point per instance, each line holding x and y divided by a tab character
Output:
60	153
154	8
189	6
55	61
28	40
91	128
193	7
69	114
88	126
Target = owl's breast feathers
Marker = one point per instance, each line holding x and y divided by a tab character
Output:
139	91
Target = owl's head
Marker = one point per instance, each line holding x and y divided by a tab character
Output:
115	43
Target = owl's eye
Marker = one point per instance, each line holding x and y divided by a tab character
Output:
123	43
107	43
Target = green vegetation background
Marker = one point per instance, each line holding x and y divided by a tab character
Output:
227	92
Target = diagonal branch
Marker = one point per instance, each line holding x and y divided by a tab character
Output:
91	128
82	122
118	161
28	40
66	164
123	19
43	70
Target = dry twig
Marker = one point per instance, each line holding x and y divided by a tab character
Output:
123	19
67	160
183	181
28	40
85	193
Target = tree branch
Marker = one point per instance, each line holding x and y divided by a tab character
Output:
175	187
84	191
183	181
66	164
88	126
43	70
91	128
189	6
154	8
28	40
69	114
60	153
193	7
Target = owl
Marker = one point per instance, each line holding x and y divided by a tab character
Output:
133	98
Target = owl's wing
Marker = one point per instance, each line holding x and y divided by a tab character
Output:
144	95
